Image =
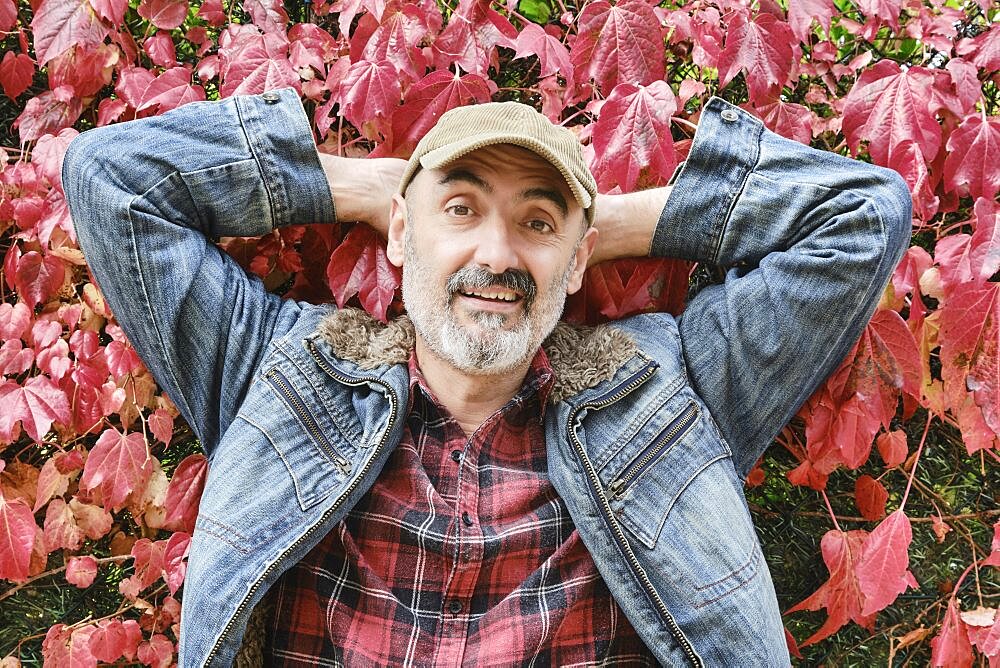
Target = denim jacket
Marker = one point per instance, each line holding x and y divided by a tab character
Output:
648	446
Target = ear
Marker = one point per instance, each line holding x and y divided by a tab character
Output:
583	252
396	239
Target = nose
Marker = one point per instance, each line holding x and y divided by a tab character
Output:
495	249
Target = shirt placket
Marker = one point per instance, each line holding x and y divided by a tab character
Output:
466	544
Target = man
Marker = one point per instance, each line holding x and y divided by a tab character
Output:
455	490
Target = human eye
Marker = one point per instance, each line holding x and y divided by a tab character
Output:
539	225
459	210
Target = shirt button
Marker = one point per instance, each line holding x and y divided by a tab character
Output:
270	97
455	607
456	455
729	115
466	519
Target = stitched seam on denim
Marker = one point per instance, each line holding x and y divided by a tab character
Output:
337	416
254	149
735	196
281	455
741	585
740	569
244	549
153	321
635	526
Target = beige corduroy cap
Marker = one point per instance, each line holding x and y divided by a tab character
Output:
463	130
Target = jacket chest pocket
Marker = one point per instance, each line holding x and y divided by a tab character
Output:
309	443
645	477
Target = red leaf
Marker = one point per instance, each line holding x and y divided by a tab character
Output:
802	13
951	647
51	482
17	537
359	267
68	648
175	560
160	48
369	91
871	497
889	106
985	50
472	36
971	167
157	652
16	73
164	14
892	447
553	57
762	49
883	570
184	493
841	594
269	15
787	119
15	358
969	348
887	10
112	11
983	627
884	362
253	63
38	277
430	97
48	113
118	464
632	136
397	41
61	530
14	320
618	289
161	424
93	520
60	24
115	638
618	44
8	15
81	571
36	406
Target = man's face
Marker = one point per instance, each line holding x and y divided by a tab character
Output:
490	246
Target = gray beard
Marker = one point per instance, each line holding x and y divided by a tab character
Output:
493	349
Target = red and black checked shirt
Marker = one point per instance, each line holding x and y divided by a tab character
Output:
461	553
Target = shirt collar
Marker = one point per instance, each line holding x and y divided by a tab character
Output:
540	378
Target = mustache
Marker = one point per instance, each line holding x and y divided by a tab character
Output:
478	278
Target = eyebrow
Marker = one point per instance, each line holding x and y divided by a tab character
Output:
553	196
464	175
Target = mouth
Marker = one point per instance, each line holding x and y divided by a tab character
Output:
493	294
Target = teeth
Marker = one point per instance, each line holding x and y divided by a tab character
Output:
496	294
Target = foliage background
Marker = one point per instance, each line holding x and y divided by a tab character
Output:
100	480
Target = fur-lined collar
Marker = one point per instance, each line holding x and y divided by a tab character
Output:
581	357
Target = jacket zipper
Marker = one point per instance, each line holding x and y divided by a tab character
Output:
393	410
298	406
607	399
672	433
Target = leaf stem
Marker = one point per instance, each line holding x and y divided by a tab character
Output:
916	460
833	516
13	590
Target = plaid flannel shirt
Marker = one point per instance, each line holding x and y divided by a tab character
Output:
461	553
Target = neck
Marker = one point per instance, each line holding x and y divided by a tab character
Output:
469	398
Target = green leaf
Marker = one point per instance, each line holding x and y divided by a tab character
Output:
538	11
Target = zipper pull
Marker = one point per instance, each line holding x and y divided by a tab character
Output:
615	488
343	465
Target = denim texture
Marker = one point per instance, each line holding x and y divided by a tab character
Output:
651	462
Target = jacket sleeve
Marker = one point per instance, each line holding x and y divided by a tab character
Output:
146	198
809	240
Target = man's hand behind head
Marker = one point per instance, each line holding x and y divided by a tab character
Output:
363	187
